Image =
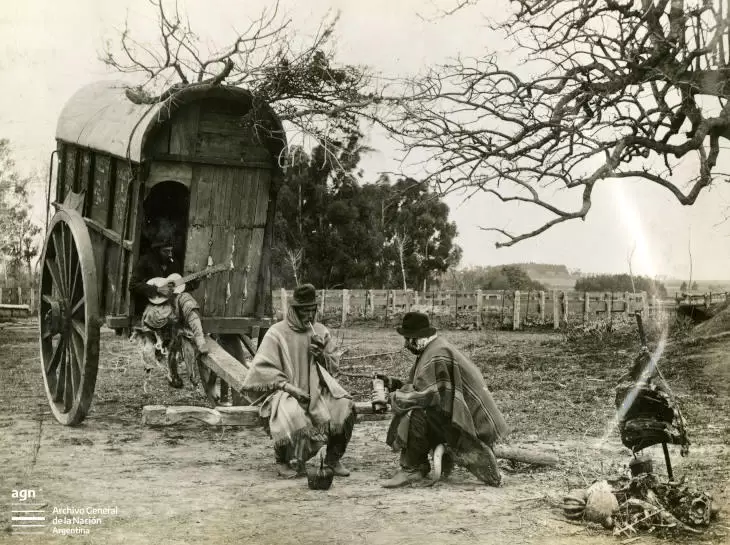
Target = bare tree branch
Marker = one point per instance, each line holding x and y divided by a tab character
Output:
322	101
610	89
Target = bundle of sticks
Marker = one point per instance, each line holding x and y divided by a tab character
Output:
647	504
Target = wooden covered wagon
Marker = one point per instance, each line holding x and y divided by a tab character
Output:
207	157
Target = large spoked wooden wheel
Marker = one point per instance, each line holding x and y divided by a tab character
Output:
69	320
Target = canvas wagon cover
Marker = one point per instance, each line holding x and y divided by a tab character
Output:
101	117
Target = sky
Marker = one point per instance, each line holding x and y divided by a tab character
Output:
48	49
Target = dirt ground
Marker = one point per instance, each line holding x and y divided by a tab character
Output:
196	484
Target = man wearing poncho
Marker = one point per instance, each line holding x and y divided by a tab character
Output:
307	407
445	403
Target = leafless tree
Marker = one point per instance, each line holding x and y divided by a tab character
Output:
629	260
320	99
294	257
400	240
609	89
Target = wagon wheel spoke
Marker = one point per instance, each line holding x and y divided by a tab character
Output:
77	357
54	360
60	251
79	305
74	282
61	382
47	298
68	390
48	334
78	329
70	253
55	277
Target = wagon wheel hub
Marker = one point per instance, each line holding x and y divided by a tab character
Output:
56	317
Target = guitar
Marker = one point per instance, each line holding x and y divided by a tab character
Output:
180	281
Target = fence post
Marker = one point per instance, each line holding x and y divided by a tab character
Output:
479	309
416	298
566	306
387	305
345	305
20	295
2	289
408	300
586	305
609	307
372	303
626	304
284	303
501	314
516	311
324	302
542	307
556	310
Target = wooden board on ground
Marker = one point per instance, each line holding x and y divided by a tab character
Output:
160	415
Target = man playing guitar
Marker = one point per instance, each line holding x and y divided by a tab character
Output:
176	319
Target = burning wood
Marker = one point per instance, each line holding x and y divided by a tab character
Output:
642	504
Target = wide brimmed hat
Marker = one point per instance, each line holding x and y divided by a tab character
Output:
163	242
304	296
416	325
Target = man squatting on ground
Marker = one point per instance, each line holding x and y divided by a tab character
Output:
445	401
307	407
181	311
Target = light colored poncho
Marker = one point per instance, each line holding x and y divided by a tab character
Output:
284	357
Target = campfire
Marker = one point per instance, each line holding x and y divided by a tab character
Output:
647	414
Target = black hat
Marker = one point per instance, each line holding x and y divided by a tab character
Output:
163	242
416	325
304	296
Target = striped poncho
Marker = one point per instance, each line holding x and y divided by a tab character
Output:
444	379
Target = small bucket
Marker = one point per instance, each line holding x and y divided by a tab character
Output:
320	478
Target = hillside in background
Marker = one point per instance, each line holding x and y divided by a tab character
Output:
558	277
548	275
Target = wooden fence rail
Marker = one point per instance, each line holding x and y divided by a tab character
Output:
482	308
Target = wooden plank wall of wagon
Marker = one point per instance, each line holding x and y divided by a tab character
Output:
98	241
255	250
71	170
228	211
100	182
85	177
123	175
184	130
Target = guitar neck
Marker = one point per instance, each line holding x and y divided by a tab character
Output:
199	274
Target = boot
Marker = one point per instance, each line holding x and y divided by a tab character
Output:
198	335
339	469
403	477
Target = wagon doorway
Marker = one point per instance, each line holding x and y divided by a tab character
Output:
165	211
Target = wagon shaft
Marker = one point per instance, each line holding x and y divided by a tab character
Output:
224	365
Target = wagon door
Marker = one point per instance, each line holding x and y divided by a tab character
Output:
228	210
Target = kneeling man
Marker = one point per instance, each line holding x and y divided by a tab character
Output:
307	407
445	402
